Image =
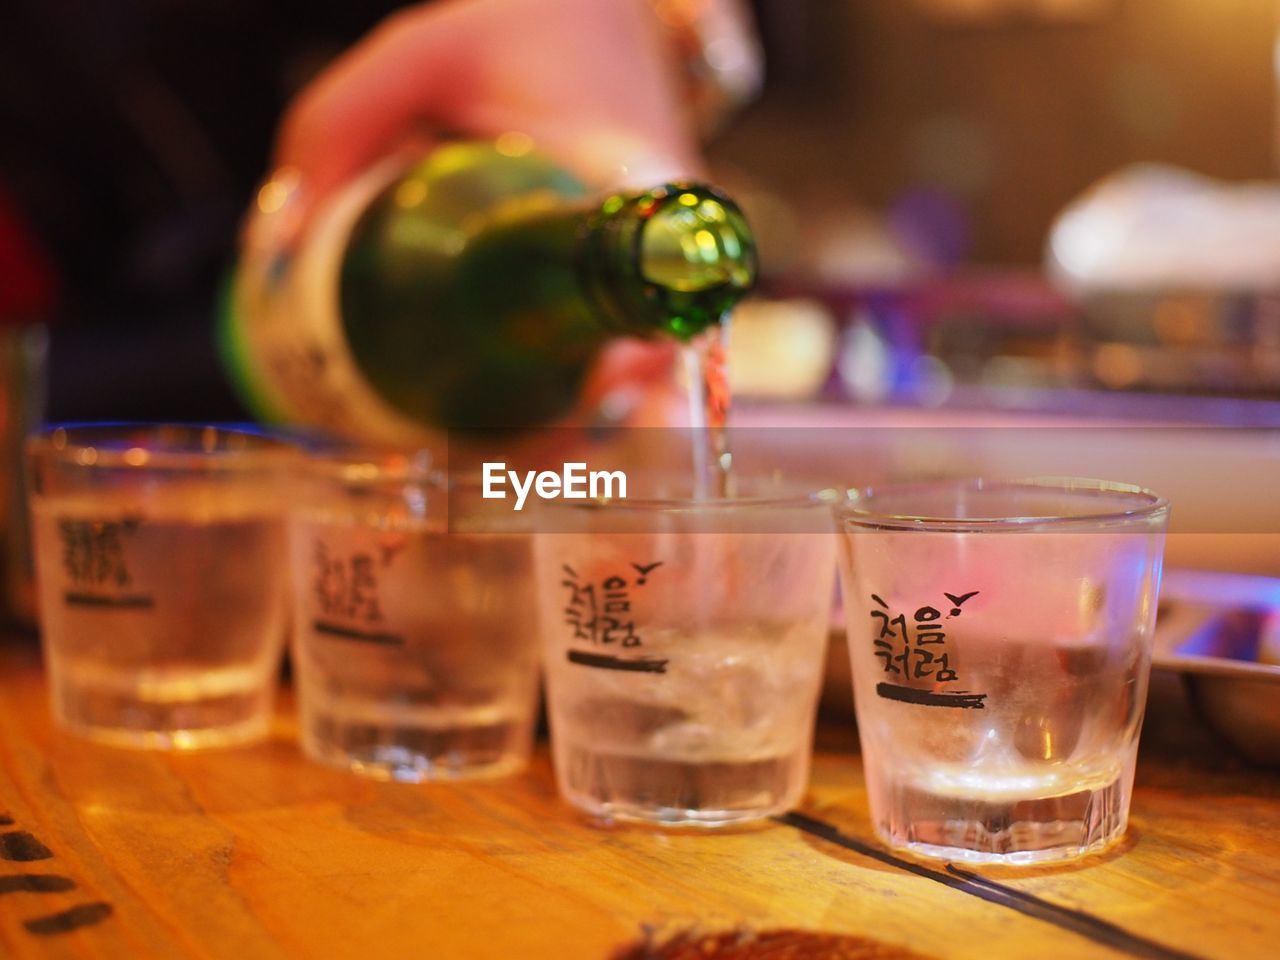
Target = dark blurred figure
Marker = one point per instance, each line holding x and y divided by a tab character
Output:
134	132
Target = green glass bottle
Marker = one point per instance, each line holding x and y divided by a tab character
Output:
472	292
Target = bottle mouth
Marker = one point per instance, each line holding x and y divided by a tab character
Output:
685	254
695	240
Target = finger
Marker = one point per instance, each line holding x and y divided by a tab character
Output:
409	71
619	158
624	377
589	81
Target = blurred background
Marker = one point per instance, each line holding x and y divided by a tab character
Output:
917	160
944	189
1008	109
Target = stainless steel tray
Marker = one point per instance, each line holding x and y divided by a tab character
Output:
1221	631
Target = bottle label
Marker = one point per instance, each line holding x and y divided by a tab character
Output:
282	329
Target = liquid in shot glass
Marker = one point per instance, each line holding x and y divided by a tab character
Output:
1000	642
415	656
162	580
684	642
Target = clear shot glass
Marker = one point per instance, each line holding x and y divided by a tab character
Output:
1000	642
415	647
683	644
162	580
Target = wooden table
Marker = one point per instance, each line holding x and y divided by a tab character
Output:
256	853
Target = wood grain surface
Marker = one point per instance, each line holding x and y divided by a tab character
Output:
257	853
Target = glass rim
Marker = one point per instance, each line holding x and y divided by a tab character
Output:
371	466
823	499
161	445
857	509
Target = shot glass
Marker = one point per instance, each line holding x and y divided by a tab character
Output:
161	576
683	644
415	653
1000	639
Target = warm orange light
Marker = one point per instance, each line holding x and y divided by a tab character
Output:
273	194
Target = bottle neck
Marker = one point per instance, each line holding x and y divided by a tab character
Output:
670	261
